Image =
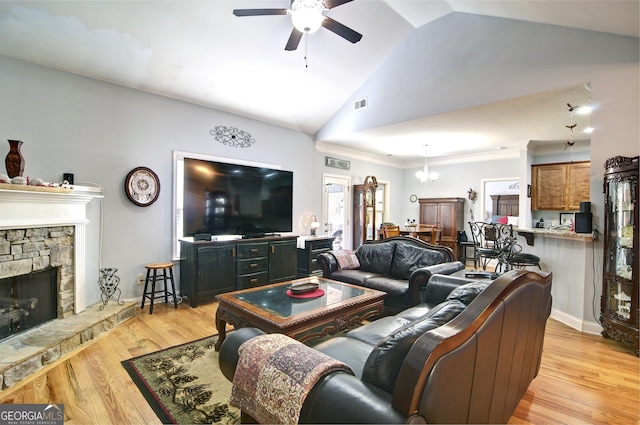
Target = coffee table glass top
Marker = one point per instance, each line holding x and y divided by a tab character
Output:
273	298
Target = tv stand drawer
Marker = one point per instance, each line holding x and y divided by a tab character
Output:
253	250
251	280
252	265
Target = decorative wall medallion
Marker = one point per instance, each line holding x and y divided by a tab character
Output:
232	136
142	186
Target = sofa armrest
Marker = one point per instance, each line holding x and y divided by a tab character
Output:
328	263
440	286
341	398
337	398
421	276
228	355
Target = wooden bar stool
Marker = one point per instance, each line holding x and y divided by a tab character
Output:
153	279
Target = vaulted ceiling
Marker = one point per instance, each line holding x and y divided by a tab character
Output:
199	52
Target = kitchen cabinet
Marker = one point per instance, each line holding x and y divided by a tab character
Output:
560	186
619	302
448	212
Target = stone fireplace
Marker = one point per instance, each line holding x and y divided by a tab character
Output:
25	255
40	231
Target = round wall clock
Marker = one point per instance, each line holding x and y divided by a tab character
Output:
142	186
413	198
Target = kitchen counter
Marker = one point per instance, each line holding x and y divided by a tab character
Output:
560	233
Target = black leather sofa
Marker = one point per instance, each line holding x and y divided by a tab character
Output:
466	356
400	266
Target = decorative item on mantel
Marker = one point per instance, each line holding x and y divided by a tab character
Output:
109	282
232	136
14	160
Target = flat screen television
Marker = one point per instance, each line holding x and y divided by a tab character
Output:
230	199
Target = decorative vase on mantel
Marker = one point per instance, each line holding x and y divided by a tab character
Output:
14	160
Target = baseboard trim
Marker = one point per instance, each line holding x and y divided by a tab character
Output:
576	323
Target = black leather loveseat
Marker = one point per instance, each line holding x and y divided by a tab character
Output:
400	266
466	356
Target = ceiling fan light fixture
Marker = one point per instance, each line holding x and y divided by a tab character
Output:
306	15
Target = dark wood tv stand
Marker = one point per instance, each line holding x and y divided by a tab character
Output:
208	268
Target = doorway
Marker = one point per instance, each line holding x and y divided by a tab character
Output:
336	203
496	187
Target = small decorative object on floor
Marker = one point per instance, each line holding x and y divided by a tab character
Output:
14	160
109	286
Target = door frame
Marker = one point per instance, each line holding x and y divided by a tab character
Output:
483	195
327	179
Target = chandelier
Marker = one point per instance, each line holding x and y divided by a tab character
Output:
423	175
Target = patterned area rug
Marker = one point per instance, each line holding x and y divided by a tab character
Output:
184	385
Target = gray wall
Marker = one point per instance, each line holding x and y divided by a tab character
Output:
100	131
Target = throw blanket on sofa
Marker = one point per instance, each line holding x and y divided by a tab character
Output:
274	375
347	259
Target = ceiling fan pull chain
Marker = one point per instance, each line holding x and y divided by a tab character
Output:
306	50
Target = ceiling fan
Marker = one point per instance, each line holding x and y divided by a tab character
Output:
307	17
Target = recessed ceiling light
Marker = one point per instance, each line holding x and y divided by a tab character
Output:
588	130
584	110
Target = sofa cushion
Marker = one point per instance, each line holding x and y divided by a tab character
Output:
375	331
408	258
393	287
468	292
347	259
354	277
383	364
376	257
347	350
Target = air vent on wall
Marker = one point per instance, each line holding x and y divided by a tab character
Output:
360	104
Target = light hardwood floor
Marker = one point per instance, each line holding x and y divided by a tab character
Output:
584	379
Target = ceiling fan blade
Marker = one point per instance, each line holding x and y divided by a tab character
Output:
330	4
259	12
341	30
294	40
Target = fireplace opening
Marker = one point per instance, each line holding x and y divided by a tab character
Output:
27	301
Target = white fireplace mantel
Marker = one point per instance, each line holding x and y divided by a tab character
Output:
27	209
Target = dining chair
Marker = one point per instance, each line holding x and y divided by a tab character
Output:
390	231
436	234
424	232
512	257
487	241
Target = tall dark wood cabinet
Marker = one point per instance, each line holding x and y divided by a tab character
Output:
449	212
208	268
620	314
364	211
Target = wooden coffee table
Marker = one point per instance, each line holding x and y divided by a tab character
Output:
270	309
